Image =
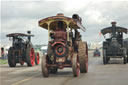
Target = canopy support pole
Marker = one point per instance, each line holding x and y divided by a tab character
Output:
48	32
68	32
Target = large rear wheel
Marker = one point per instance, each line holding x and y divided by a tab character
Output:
30	56
83	56
37	58
44	68
11	58
75	65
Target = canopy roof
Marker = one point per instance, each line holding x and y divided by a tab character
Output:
118	29
18	34
52	22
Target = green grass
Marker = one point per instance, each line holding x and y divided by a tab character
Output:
3	61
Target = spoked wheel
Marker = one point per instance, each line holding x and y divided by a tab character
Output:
104	57
83	56
44	68
37	58
30	56
75	65
11	58
53	70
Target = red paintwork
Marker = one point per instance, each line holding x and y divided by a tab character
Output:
60	34
32	56
38	58
57	43
61	47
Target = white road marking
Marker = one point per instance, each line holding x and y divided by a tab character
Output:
26	79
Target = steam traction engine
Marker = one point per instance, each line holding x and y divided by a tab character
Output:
65	47
22	50
114	47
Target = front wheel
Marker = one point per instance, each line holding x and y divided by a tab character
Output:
11	58
37	58
44	68
75	65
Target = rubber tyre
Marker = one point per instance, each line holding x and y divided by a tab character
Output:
83	56
75	65
44	68
11	58
37	58
53	70
30	56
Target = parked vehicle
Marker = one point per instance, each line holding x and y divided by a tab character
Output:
96	53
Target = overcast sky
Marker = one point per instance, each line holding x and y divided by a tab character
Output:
23	15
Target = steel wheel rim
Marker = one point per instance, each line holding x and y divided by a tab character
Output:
32	56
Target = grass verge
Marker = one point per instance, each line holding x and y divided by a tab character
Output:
3	61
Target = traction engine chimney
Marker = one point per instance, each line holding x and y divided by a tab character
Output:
29	37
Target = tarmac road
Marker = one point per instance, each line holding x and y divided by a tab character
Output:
115	73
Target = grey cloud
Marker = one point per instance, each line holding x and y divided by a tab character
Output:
23	16
30	10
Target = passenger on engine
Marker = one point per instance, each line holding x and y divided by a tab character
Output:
59	31
120	37
60	26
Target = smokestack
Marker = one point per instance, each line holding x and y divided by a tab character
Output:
29	33
113	23
113	28
76	16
